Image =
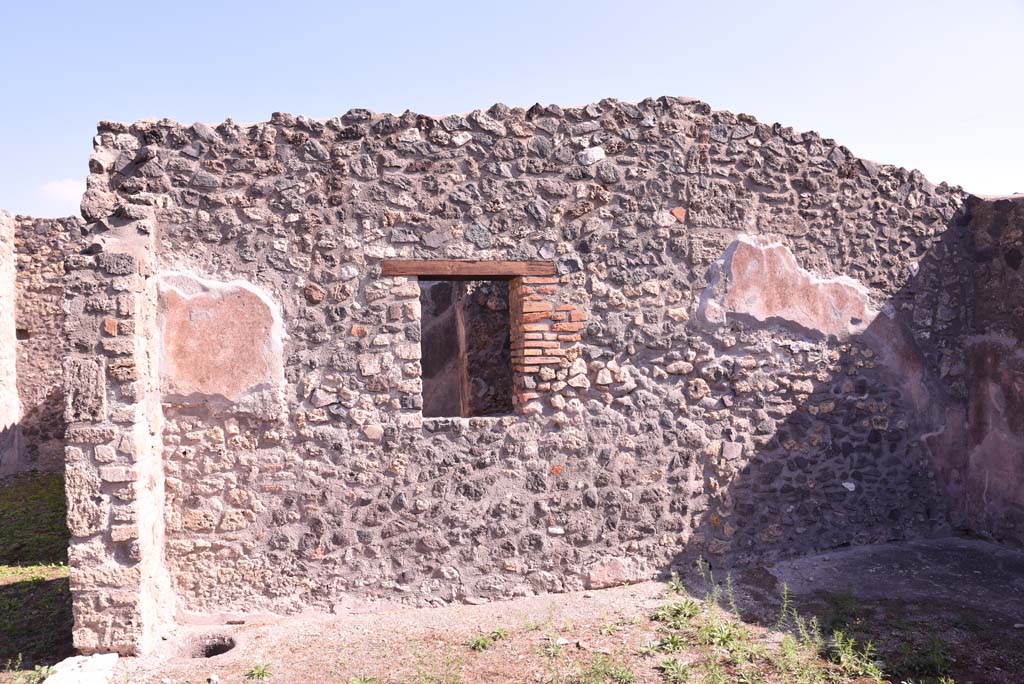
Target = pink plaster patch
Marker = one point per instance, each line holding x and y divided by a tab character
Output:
221	342
765	281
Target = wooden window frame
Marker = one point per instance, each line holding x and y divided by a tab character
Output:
542	328
466	269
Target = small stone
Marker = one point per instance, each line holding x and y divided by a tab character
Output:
314	293
461	138
556	532
849	486
369	364
322	397
664	219
604	377
680	214
732	450
698	389
679	314
579	381
410	135
374	432
591	156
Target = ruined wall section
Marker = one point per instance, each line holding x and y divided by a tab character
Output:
121	594
10	409
38	250
993	467
42	246
651	433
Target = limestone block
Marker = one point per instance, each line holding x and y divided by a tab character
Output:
94	669
85	389
87	508
221	346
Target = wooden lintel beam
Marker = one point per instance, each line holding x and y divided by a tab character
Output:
451	269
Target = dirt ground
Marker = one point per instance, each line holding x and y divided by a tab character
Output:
948	610
951	604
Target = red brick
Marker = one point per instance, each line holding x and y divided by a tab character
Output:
535	316
680	214
537	306
567	327
536	344
527	355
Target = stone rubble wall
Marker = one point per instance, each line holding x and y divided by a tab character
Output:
39	247
992	469
753	348
10	408
42	245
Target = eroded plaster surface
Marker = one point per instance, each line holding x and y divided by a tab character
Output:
764	280
221	345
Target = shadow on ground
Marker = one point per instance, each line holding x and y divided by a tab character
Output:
35	601
938	608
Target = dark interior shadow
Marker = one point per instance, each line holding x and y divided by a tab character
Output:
872	449
860	446
42	429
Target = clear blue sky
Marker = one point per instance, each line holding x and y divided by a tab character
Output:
934	85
